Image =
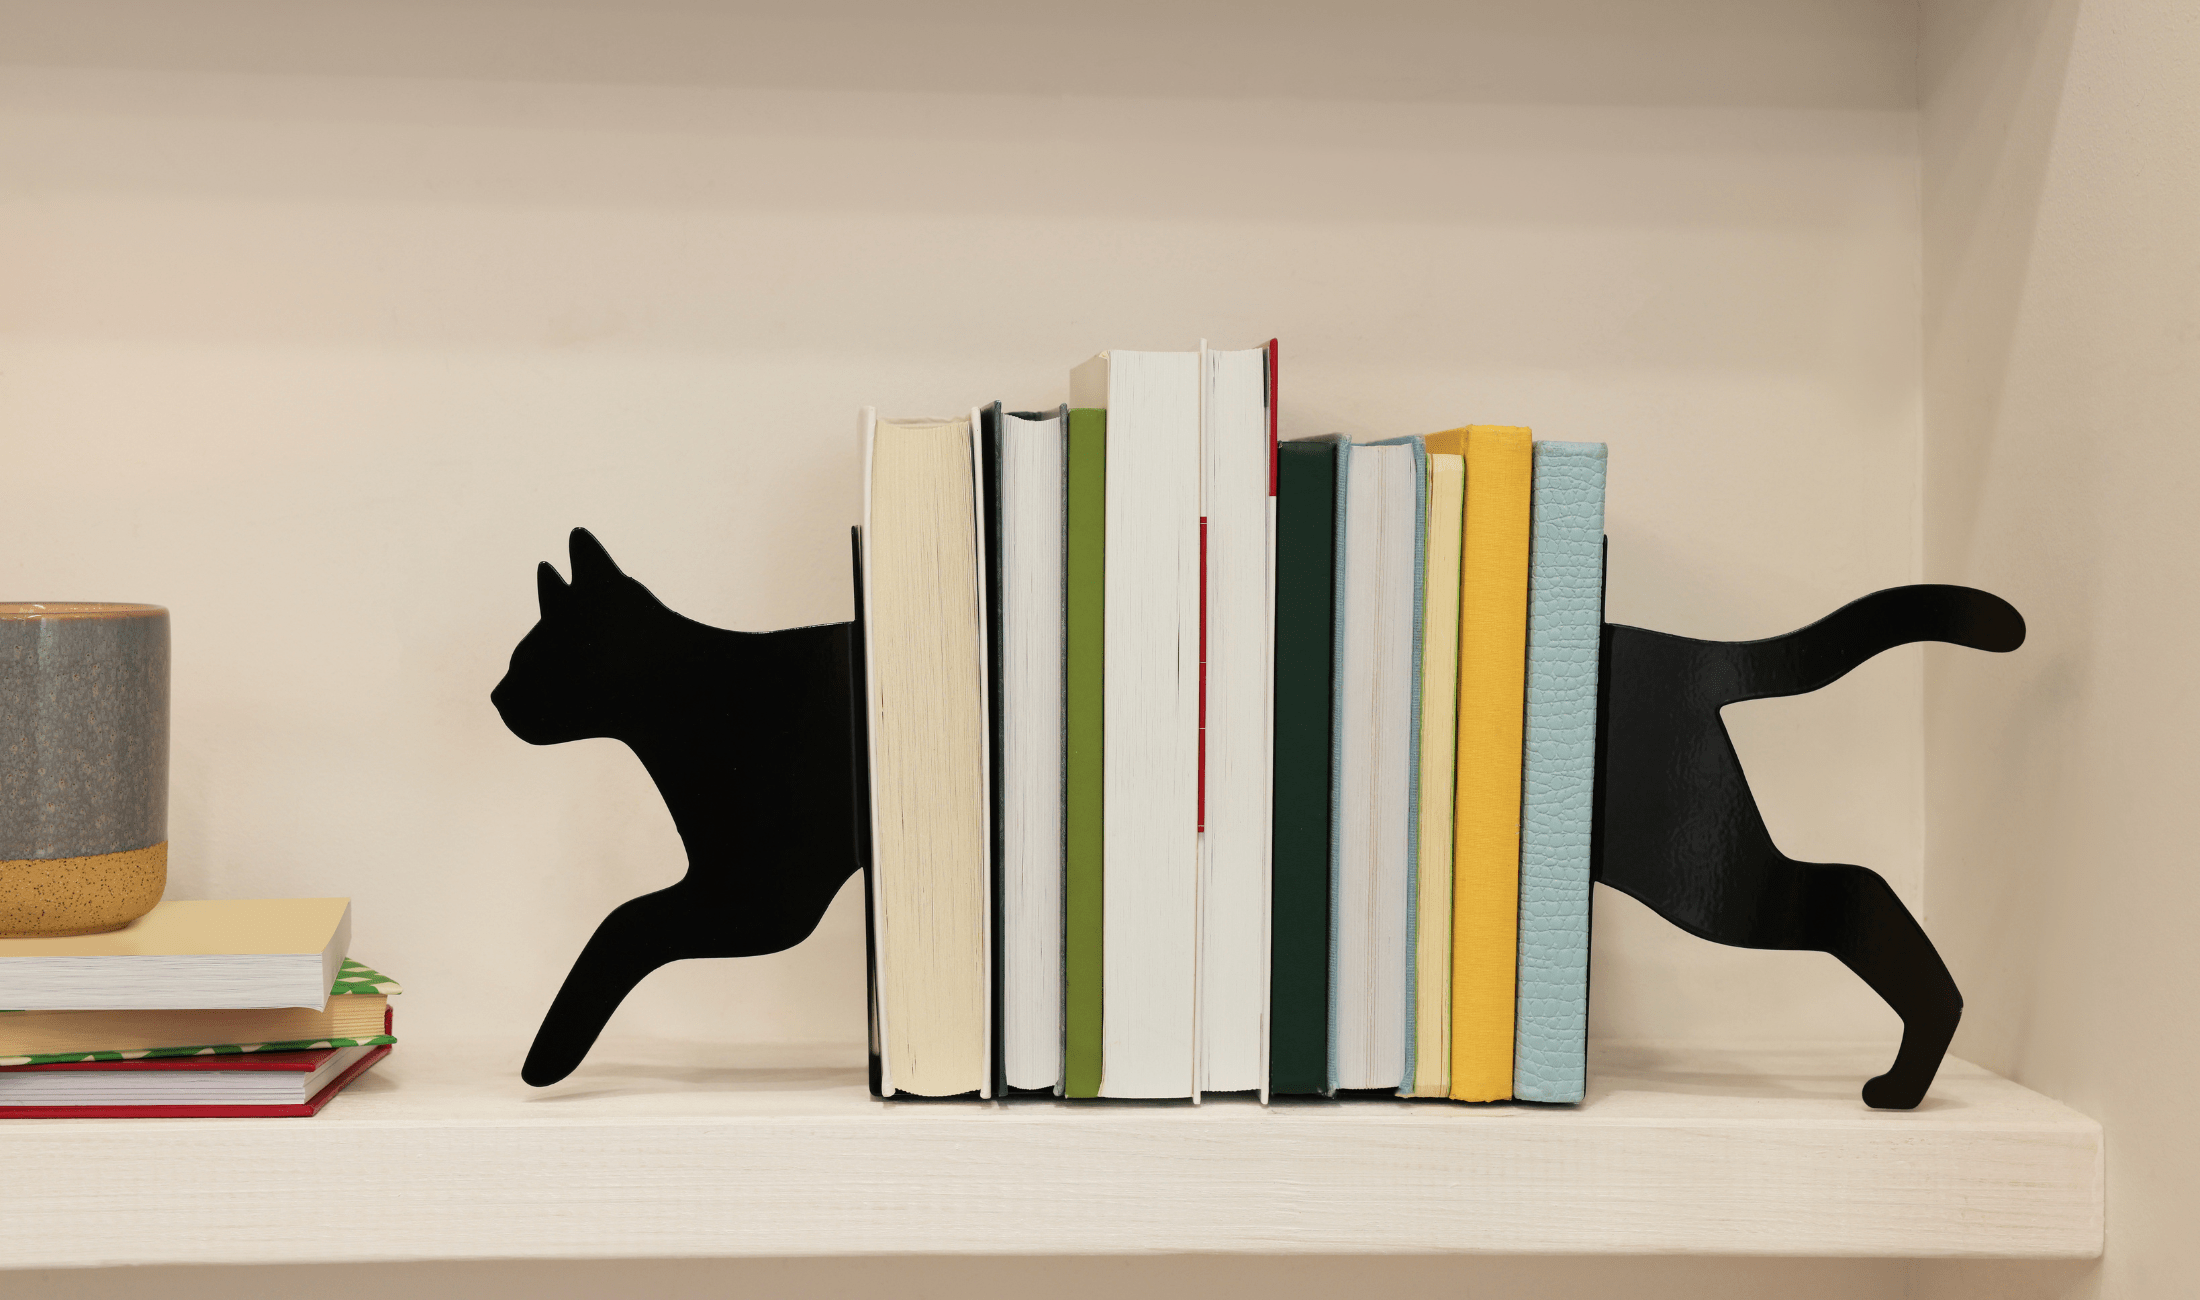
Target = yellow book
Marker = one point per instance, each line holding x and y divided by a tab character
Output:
1493	638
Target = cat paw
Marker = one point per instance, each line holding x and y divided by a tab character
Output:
1889	1093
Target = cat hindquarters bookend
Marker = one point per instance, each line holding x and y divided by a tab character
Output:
1677	828
755	740
748	736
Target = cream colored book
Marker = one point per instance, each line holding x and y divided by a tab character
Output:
356	1016
205	954
1431	1028
1372	876
925	642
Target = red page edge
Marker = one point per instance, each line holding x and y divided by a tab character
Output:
311	1107
1272	417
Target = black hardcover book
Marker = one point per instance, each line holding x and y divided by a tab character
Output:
1306	551
989	459
859	764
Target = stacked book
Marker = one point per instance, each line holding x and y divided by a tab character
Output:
217	1008
1202	762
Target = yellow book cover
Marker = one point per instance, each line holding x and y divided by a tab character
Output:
1493	638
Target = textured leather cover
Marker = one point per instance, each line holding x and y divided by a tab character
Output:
1493	636
1565	619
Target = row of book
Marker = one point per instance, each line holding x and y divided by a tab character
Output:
1203	762
198	1008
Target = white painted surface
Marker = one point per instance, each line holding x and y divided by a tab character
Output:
650	1151
2063	397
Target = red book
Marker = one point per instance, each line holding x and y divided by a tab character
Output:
217	1086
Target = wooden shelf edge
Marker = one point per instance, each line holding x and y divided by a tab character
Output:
668	1151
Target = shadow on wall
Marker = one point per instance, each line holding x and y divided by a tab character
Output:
1995	81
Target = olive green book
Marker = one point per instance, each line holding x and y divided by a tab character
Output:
1084	875
1306	558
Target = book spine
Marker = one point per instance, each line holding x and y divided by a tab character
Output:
1565	625
989	499
1084	625
1439	740
1340	610
1268	715
1493	627
866	804
1413	760
1305	611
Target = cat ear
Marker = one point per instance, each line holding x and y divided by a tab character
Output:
551	593
590	560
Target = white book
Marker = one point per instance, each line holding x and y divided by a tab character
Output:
1032	465
925	681
204	954
1233	924
1149	719
1377	765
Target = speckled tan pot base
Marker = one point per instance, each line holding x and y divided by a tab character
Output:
51	898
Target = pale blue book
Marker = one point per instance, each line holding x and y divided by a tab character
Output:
1413	759
1377	759
1565	624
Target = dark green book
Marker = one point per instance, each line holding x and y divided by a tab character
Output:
1084	606
1306	557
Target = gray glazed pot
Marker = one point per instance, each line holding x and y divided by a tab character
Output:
83	765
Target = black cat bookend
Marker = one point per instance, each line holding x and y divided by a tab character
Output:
751	738
754	739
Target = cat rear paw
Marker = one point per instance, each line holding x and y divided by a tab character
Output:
1890	1093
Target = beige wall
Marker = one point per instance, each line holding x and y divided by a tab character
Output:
324	323
321	324
2062	203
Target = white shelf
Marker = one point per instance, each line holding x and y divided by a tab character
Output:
665	1151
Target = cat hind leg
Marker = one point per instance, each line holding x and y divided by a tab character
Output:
1856	916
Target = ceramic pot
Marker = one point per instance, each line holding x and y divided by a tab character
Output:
83	765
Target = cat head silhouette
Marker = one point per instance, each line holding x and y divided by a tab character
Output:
596	662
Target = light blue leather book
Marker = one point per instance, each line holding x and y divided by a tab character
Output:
1565	622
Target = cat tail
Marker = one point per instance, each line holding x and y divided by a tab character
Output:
1825	651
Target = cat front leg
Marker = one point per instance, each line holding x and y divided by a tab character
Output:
640	935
